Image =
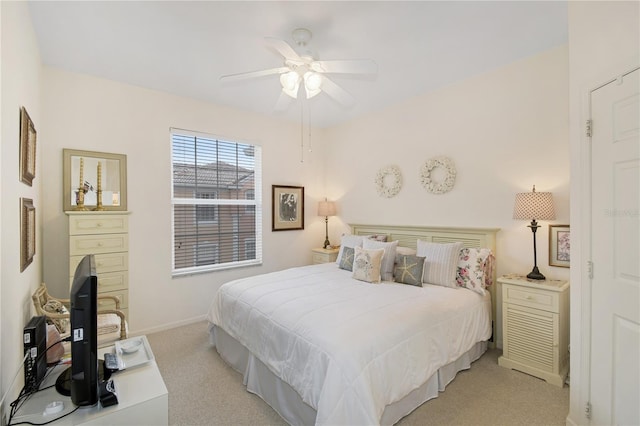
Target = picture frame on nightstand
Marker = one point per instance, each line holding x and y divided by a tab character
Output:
559	245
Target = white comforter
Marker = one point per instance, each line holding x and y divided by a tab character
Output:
349	348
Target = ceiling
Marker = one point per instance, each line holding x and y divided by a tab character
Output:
184	47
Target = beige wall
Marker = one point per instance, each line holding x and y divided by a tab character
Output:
93	114
20	86
506	130
604	41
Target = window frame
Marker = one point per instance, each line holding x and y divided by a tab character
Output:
244	205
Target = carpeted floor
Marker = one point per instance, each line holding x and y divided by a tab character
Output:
203	390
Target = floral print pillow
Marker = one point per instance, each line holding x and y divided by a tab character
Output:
475	269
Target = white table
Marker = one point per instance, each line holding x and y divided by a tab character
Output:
143	399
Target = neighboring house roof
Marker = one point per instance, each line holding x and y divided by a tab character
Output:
213	175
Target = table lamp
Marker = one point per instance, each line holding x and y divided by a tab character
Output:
533	206
326	209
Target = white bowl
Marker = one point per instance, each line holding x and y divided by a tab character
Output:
131	347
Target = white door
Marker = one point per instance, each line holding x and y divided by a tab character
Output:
615	232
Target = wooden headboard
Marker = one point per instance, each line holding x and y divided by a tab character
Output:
407	236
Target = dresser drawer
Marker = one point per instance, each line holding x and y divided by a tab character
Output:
111	262
324	256
96	244
538	299
98	224
110	281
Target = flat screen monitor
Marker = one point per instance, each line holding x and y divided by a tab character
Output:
81	379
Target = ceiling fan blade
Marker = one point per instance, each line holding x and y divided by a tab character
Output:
336	92
253	74
283	48
357	66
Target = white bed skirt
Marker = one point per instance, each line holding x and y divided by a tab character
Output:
287	402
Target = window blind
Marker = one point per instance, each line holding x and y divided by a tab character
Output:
216	203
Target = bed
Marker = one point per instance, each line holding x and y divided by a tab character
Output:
321	347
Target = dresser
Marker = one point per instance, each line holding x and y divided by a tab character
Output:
105	235
322	255
535	324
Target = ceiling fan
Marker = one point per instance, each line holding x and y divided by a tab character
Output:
302	70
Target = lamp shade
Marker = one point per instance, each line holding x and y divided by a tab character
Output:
326	208
534	205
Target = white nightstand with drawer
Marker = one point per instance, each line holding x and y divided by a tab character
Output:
104	234
321	255
535	327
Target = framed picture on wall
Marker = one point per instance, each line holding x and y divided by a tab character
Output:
93	171
287	208
27	148
559	245
27	232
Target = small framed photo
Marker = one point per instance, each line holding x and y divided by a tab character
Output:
27	148
287	208
27	232
559	245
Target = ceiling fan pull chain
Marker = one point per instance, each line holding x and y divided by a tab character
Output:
309	126
302	132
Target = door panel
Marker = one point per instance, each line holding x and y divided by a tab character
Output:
615	252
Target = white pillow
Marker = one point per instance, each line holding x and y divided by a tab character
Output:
348	241
356	241
388	259
405	251
440	263
367	265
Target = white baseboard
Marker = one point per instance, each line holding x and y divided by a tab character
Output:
168	326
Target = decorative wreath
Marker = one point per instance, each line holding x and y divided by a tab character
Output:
446	184
388	181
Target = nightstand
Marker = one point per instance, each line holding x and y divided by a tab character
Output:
535	327
321	255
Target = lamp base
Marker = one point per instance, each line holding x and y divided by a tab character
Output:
326	243
535	274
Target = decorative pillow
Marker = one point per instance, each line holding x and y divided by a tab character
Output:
406	251
356	241
475	269
441	263
408	269
388	258
351	241
55	307
366	265
346	261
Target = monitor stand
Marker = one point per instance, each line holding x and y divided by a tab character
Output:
63	382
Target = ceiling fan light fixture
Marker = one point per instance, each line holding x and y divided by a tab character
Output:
290	82
312	84
312	80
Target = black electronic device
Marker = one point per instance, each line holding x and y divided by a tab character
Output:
81	379
108	394
35	344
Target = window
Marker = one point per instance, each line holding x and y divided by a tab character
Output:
206	213
216	203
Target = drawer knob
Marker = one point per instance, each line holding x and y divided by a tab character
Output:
529	298
100	244
99	224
